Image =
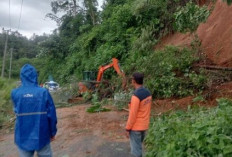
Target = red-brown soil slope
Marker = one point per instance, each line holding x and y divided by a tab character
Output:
215	36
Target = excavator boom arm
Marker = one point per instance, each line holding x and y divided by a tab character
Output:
116	67
114	64
101	71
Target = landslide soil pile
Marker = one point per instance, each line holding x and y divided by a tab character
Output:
215	36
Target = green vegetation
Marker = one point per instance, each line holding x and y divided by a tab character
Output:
122	99
188	18
128	30
125	29
96	106
197	132
6	107
169	72
24	51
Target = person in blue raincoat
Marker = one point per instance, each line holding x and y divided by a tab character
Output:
36	120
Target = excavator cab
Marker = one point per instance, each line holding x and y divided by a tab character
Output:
88	83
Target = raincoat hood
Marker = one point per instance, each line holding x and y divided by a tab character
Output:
29	75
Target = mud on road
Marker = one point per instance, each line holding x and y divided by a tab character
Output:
82	134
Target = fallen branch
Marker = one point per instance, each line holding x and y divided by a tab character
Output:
210	67
126	109
160	113
156	103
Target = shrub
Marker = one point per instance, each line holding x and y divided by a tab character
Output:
188	18
168	72
122	99
197	132
5	104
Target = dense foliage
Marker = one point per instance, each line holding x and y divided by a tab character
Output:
127	30
197	132
24	51
189	17
22	47
169	72
5	103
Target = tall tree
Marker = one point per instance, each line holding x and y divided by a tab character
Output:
68	7
91	11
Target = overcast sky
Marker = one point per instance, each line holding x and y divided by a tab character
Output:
32	19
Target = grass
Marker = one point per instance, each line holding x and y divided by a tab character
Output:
6	106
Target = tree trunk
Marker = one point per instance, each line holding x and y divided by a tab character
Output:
74	7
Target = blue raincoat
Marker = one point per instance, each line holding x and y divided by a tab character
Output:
35	112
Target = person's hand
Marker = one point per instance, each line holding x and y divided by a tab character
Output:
52	138
127	134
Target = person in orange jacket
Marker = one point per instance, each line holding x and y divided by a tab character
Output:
139	114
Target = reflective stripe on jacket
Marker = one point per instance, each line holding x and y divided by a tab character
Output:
35	112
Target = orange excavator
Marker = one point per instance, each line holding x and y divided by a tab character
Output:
89	86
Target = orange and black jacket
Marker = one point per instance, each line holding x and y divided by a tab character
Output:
139	110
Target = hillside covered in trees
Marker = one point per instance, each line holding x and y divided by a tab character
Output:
125	29
182	47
